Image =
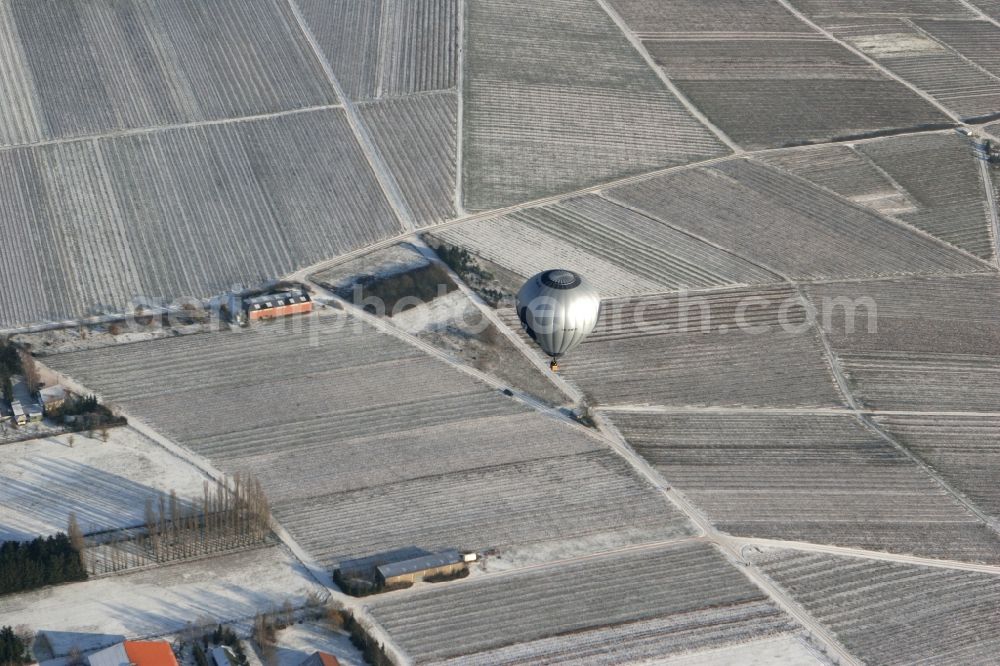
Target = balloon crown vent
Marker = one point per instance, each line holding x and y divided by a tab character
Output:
560	279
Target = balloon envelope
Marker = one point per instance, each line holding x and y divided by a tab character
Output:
558	308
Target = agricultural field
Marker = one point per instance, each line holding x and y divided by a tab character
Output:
106	484
180	213
81	68
671	599
978	41
286	402
924	62
890	613
541	502
924	380
417	138
990	8
845	171
817	478
702	349
689	16
793	111
930	181
162	600
621	252
920	344
768	91
939	172
787	225
965	450
921	314
387	48
785	649
825	11
556	99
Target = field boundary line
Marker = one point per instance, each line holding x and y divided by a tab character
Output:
154	129
871	61
789	411
945	245
460	116
991	202
871	425
861	553
662	75
906	20
723	543
684	409
983	16
382	173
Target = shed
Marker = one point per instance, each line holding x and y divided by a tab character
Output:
20	415
418	568
110	656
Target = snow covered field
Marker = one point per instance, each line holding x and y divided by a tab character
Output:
105	483
160	600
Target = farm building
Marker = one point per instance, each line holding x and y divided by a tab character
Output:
281	304
418	568
20	415
320	659
24	405
135	653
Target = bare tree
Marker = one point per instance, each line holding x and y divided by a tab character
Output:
29	369
26	634
75	535
74	657
71	440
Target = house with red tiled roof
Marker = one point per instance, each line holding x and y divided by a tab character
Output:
135	653
320	659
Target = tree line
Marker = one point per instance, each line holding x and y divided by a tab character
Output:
232	513
42	561
15	646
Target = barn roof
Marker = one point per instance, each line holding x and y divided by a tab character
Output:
444	558
150	653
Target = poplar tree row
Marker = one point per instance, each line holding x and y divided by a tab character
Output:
232	513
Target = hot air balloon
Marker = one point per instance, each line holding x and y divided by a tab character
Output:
558	308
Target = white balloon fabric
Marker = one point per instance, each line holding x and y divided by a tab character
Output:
558	308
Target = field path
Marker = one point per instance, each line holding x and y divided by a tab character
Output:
991	200
674	90
382	172
881	68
